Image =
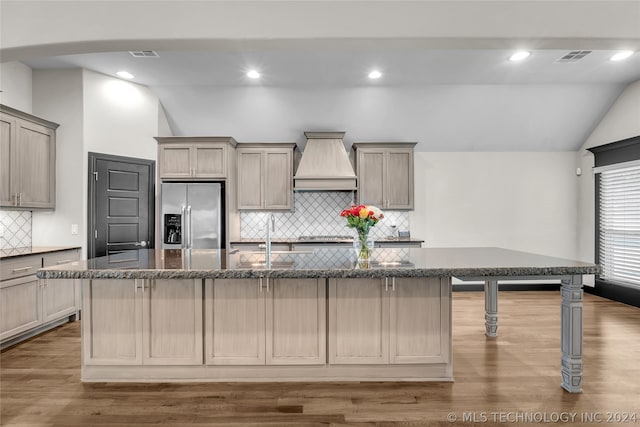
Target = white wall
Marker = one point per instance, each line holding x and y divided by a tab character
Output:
521	201
120	117
96	113
15	84
621	122
57	96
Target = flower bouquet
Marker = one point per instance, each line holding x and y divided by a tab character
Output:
362	218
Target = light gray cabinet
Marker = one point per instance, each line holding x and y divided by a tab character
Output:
194	157
265	176
385	174
265	322
389	321
28	160
59	296
142	322
28	303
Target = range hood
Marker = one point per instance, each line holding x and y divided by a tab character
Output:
325	164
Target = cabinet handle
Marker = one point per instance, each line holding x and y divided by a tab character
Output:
260	284
386	284
267	285
15	270
393	284
64	261
20	199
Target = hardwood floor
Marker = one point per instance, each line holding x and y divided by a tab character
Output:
515	375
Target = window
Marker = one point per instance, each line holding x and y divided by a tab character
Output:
618	219
619	224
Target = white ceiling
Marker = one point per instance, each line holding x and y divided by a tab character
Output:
447	83
343	67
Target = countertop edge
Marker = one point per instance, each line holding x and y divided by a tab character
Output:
311	273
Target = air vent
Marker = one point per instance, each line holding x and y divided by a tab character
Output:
574	56
144	53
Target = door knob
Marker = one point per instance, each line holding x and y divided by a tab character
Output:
142	243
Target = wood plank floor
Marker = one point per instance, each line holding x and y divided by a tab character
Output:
516	374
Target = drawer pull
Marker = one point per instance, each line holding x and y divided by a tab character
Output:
64	261
15	270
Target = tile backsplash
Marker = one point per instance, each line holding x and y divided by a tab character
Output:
15	229
317	213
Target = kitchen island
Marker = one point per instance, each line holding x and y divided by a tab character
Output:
175	315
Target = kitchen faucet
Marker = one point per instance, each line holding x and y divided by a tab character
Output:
271	226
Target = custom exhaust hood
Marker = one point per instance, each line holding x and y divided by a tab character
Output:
325	164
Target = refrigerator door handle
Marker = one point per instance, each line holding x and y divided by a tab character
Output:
182	228
189	233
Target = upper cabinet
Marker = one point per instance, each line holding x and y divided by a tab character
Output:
28	160
385	174
193	157
265	176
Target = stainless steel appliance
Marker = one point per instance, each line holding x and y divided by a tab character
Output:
192	215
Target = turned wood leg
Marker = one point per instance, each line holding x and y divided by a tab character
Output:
491	308
571	338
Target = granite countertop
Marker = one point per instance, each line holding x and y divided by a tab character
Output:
329	262
33	250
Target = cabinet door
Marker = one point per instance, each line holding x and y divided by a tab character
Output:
370	177
172	322
174	160
209	161
296	322
234	322
278	179
250	183
58	298
419	322
112	322
19	306
59	295
358	321
7	137
398	179
35	165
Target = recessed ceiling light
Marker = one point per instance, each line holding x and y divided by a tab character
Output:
621	55
124	74
520	55
253	74
375	74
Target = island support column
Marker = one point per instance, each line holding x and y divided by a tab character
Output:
491	308
571	339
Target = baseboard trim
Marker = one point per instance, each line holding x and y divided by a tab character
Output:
617	293
35	331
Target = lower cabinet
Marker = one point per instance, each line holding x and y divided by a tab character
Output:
265	321
142	322
28	303
389	321
20	308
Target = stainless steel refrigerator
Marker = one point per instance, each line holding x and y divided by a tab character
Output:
192	215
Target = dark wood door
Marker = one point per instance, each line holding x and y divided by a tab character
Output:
122	214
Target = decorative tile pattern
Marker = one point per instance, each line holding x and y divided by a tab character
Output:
16	229
317	213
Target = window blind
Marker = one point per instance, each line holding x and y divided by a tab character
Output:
619	237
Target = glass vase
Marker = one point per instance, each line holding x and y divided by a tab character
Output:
363	249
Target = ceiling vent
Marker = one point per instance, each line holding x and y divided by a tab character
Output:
574	56
144	53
